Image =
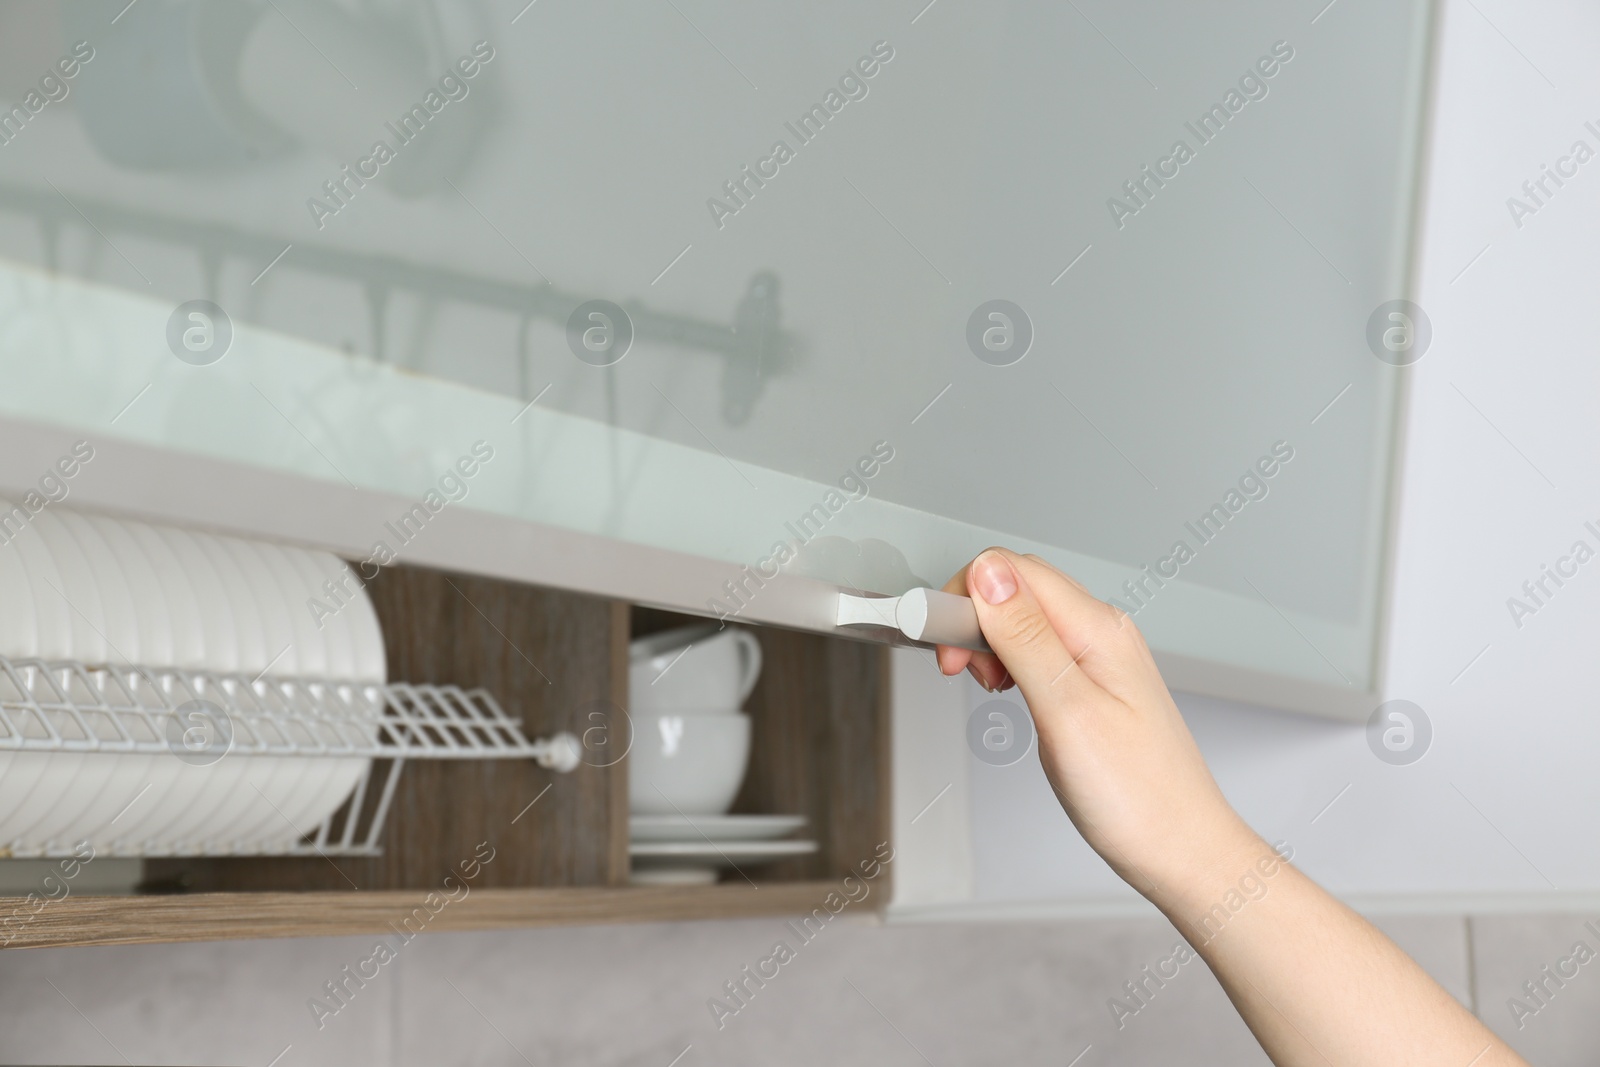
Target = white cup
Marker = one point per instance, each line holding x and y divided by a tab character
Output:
687	764
695	669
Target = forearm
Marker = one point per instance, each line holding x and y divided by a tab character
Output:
1314	981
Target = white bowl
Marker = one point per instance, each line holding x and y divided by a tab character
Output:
687	764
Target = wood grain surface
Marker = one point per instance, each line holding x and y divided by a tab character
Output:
820	747
555	660
233	916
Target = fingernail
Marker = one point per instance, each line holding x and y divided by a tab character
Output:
993	576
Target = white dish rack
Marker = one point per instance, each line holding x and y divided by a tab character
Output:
68	707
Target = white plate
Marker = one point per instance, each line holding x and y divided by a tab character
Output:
297	787
334	629
94	796
205	788
370	664
334	779
273	779
328	648
249	633
183	610
291	589
19	639
144	588
53	636
692	828
154	625
29	776
725	853
282	658
370	655
673	876
19	624
62	577
171	792
683	863
121	631
243	803
77	587
174	811
211	597
267	780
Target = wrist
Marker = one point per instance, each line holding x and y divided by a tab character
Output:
1237	880
1225	863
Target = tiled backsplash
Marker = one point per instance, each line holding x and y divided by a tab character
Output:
618	996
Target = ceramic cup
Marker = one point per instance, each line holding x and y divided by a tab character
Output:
687	764
697	669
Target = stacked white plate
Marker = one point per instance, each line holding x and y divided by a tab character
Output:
105	591
695	849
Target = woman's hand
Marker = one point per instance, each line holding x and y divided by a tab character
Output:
1112	742
1315	982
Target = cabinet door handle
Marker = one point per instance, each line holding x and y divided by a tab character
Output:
926	615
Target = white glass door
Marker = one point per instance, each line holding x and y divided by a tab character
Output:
839	292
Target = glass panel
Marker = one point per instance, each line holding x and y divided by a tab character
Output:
870	285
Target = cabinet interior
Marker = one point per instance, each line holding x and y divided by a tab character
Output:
558	661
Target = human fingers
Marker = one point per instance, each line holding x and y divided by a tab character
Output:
984	667
1103	641
1022	635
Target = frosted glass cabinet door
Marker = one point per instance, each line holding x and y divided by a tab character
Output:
758	300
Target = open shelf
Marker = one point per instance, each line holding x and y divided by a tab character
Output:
819	745
557	662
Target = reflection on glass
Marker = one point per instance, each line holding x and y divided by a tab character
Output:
1086	293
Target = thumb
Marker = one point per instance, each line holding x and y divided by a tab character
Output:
1020	633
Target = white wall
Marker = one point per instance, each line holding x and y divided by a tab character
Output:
1500	475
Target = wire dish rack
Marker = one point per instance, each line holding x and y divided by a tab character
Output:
203	718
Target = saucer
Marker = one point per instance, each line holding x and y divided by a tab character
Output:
724	853
697	862
702	828
673	876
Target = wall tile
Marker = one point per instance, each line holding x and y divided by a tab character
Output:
1438	943
1564	1028
609	996
999	993
215	1003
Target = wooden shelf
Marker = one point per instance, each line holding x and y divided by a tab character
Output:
130	920
557	661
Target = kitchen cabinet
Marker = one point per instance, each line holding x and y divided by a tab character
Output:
494	843
722	317
798	378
